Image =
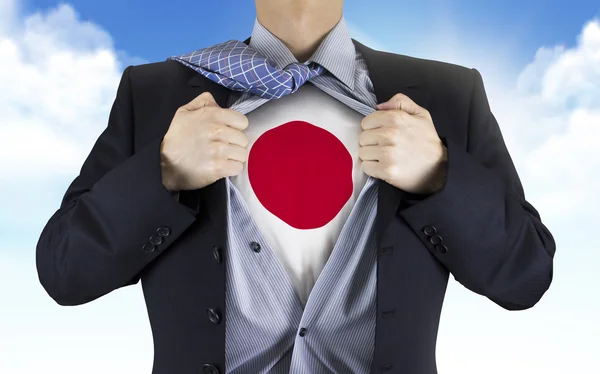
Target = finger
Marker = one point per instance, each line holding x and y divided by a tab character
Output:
236	153
230	135
402	102
375	120
374	153
200	101
367	138
233	118
373	169
380	136
224	116
385	118
230	168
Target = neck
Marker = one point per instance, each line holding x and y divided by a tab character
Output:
300	24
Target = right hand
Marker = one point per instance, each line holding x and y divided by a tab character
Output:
204	143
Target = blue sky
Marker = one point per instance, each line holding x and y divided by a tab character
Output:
60	64
154	29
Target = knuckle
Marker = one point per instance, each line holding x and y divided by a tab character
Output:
394	117
216	132
208	112
218	167
216	150
390	170
361	138
210	168
238	167
245	121
403	116
386	154
399	98
246	154
245	140
205	95
361	153
390	133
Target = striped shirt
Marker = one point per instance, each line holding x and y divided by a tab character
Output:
348	79
268	330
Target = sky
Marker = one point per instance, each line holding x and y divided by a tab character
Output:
60	63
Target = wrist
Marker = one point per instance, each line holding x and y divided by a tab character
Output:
167	171
438	181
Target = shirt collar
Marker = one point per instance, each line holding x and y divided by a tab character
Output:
336	53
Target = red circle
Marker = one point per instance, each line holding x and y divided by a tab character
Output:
301	173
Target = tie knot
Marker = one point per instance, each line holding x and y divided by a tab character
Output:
239	67
302	73
312	67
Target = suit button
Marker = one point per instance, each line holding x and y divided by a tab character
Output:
148	247
302	332
155	240
213	315
210	369
429	230
163	231
217	254
435	239
255	246
441	248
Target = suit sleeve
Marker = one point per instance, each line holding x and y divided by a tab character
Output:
492	239
98	239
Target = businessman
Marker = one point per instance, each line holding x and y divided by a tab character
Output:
296	202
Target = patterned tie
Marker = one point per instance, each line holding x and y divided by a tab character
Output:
238	67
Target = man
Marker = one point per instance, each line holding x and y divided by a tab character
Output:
280	219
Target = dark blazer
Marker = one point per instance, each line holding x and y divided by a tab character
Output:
118	224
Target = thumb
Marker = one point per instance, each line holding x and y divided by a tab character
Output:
401	102
200	101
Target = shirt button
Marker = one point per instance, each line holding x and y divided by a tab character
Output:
210	369
255	246
217	254
441	248
302	332
163	231
435	239
213	315
429	230
148	247
155	240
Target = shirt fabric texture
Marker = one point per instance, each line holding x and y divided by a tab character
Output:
269	328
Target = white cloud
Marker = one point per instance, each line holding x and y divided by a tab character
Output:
557	98
58	76
549	114
550	119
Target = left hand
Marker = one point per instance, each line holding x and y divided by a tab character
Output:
400	145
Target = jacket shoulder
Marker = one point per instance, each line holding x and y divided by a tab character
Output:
434	74
161	74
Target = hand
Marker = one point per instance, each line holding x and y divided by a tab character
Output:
400	145
204	143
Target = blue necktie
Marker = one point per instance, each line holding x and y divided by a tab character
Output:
238	67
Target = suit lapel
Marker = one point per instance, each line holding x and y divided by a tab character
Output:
389	74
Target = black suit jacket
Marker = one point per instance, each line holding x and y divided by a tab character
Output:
492	239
